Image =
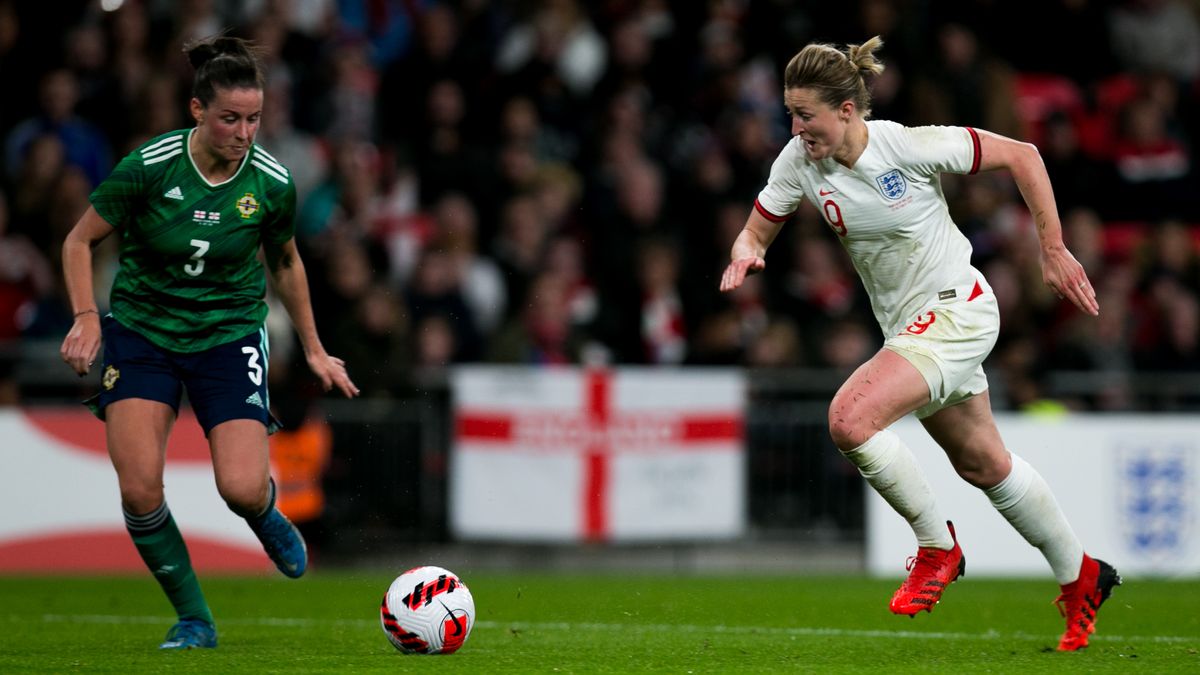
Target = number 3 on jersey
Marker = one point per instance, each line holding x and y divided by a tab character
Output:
833	214
196	267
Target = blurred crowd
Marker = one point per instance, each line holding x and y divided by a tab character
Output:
559	181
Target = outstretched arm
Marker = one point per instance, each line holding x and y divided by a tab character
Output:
1060	270
82	343
749	249
289	281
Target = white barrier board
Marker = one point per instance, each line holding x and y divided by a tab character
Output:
1128	484
60	509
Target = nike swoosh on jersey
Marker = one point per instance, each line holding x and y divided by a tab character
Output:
825	192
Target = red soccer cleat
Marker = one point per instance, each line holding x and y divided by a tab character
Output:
930	571
1081	599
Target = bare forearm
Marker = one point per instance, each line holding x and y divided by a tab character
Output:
291	285
755	238
1034	184
77	271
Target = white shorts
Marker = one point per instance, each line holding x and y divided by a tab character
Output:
947	343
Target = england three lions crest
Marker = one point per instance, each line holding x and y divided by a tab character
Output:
1155	506
892	184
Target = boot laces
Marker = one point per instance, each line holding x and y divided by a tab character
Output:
927	559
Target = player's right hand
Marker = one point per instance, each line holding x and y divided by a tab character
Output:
82	344
736	273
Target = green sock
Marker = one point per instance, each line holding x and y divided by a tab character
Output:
162	548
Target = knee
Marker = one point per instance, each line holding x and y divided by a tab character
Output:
142	499
243	495
983	470
846	425
141	495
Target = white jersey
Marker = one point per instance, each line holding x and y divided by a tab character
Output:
890	214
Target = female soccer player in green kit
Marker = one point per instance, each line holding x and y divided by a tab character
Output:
192	208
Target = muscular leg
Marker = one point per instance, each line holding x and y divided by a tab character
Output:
137	431
968	434
241	463
881	391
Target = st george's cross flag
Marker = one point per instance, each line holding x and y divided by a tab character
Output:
593	454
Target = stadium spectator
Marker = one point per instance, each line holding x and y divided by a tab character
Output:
345	111
83	144
444	151
437	289
879	183
35	189
543	333
100	99
1079	180
478	276
519	248
129	53
1157	36
435	347
187	311
556	46
26	279
156	110
965	85
1152	165
376	342
663	322
293	147
778	346
564	259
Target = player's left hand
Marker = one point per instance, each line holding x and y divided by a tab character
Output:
1063	273
331	371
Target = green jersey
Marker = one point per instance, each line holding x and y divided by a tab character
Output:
189	276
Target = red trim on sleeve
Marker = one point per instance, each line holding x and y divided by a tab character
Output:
768	215
975	292
975	145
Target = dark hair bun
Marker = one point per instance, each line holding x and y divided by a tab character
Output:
204	51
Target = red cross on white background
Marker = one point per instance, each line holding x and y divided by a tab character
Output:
596	432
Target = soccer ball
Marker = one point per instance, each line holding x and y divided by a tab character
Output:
427	610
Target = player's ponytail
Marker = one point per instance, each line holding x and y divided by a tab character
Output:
837	76
222	62
862	57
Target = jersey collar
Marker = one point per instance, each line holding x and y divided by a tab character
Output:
188	147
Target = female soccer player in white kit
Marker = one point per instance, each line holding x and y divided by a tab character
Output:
877	184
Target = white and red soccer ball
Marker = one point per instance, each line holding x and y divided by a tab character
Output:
427	610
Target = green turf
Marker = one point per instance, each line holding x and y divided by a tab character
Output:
328	622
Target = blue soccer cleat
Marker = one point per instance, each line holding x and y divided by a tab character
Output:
283	543
191	634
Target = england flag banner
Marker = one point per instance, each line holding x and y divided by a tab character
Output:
607	455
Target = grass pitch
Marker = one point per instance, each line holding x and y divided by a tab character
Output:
328	622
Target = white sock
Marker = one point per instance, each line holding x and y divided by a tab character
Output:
1025	500
891	468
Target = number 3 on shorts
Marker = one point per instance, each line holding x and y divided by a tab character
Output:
256	369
